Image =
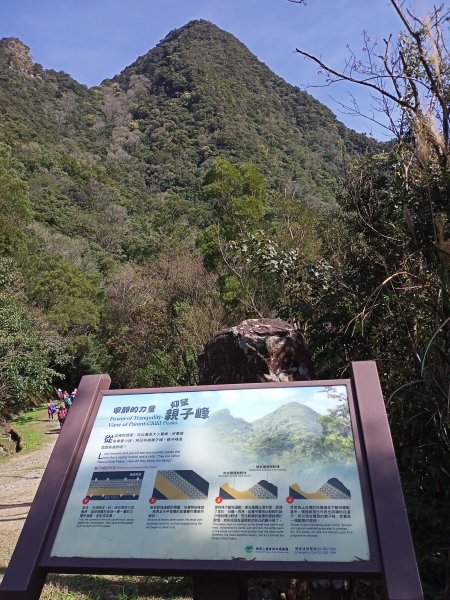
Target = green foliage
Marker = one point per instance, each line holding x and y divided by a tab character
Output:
208	242
68	296
164	371
264	247
24	355
15	206
159	316
88	355
336	441
237	195
201	107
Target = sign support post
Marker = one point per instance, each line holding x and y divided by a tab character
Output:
219	588
24	578
400	571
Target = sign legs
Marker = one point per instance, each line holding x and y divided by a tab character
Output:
219	588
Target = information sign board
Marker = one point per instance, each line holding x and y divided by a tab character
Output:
261	473
222	483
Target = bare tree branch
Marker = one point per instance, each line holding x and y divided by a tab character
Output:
410	79
343	77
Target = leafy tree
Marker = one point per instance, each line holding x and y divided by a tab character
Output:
262	245
158	318
69	297
15	205
237	195
26	350
86	355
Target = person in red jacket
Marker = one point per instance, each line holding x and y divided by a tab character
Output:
62	414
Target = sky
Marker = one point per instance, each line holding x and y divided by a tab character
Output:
92	40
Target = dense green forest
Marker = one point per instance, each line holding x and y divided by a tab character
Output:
197	188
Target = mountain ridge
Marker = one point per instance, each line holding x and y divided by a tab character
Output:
260	116
198	94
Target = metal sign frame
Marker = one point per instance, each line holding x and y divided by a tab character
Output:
391	548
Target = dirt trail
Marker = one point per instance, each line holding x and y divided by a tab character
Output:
20	476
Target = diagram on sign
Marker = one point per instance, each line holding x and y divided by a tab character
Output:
263	490
116	485
333	489
180	485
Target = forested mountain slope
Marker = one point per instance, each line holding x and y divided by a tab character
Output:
199	94
207	95
107	184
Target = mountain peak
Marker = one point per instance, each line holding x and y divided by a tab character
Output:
199	43
202	25
18	57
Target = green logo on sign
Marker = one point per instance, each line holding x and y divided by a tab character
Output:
249	549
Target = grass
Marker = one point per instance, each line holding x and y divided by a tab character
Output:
32	427
116	587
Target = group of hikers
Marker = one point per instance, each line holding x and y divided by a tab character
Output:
62	405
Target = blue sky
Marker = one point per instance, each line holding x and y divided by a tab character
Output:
95	39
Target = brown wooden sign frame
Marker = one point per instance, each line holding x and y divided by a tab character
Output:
391	548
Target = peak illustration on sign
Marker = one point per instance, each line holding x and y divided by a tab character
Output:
180	485
333	489
263	490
